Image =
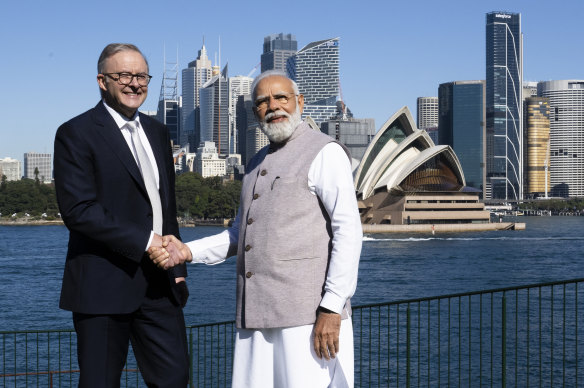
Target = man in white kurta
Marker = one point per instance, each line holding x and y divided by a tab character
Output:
298	239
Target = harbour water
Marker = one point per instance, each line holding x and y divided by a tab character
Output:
393	267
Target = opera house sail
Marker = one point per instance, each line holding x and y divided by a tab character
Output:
404	178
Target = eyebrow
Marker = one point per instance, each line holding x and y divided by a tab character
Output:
273	94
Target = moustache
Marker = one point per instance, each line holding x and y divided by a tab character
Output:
275	115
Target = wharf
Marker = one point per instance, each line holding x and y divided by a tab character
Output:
442	228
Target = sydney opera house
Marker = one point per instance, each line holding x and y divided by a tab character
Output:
405	179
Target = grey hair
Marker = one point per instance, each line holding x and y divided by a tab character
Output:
272	73
112	49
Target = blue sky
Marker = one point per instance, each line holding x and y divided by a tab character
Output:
391	51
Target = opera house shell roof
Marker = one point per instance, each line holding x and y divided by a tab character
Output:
404	177
403	158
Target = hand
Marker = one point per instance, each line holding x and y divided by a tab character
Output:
172	253
326	334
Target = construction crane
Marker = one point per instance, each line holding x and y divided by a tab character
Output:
253	70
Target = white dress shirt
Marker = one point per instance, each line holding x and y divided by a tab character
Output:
330	178
121	121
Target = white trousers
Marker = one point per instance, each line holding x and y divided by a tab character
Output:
285	358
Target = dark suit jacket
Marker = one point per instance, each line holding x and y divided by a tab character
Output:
105	206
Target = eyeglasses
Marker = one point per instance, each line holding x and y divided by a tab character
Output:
126	78
282	99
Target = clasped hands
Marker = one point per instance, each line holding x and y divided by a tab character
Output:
168	251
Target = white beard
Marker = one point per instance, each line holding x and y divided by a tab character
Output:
280	132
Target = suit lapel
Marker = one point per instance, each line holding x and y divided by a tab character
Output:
112	135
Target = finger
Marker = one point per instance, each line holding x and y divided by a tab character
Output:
317	347
165	241
161	257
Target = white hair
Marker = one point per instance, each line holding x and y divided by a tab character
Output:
272	73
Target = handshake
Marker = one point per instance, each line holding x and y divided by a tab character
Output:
168	251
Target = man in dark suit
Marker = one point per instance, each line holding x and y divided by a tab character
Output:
114	177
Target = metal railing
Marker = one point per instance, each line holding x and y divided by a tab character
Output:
525	336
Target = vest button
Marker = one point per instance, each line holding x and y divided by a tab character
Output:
247	247
250	221
248	275
263	173
256	196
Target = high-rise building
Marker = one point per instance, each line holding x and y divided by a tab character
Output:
504	76
355	134
277	49
315	68
42	162
428	116
536	147
251	138
427	112
214	108
194	77
10	168
461	126
566	98
238	86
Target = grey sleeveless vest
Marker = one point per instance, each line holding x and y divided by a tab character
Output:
284	236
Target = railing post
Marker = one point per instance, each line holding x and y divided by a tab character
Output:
408	346
191	382
504	342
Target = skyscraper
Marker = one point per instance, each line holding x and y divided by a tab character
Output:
238	86
461	126
277	49
566	98
536	148
504	76
42	162
214	107
428	116
315	68
193	78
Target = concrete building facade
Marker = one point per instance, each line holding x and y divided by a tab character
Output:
42	162
566	101
11	169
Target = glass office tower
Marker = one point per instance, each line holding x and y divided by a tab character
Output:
504	80
461	117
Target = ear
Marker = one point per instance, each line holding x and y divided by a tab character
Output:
101	82
300	103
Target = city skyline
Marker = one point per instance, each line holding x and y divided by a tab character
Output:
49	77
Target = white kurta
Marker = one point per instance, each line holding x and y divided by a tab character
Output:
280	357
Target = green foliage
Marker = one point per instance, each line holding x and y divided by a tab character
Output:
204	198
27	196
196	197
556	205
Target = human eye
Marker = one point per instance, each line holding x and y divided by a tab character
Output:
261	104
281	98
125	76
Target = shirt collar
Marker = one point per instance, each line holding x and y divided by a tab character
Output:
118	118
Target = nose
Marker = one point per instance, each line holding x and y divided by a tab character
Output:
134	82
273	104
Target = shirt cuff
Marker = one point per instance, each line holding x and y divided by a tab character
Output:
332	302
149	241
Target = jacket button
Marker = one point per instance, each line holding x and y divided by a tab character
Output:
264	172
256	196
250	221
247	247
248	275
